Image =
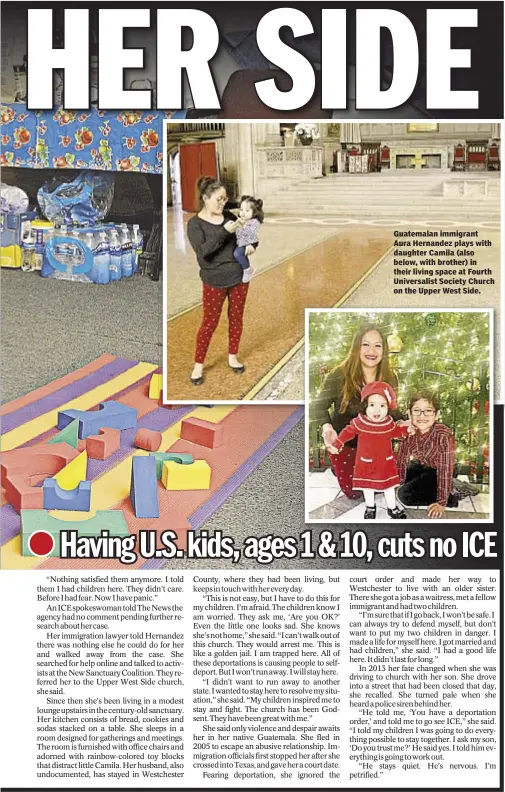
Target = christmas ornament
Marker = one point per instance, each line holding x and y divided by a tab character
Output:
395	343
473	384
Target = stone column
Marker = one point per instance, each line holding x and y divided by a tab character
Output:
229	158
246	164
238	159
273	134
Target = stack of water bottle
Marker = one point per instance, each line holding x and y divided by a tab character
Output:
96	254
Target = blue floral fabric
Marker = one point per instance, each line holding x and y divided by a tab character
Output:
92	139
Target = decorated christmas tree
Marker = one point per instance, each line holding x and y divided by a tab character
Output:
446	352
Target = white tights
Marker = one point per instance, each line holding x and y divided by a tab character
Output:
389	495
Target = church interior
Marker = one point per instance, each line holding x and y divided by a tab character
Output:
333	194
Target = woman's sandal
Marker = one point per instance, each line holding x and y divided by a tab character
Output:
237	369
197	380
397	514
370	513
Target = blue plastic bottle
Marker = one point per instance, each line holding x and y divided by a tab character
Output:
101	257
115	255
126	251
137	245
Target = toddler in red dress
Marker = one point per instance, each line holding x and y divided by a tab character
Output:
375	467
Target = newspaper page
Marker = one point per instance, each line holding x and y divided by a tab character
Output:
204	583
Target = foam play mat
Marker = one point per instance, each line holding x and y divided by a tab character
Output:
215	449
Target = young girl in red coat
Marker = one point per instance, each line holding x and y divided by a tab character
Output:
375	466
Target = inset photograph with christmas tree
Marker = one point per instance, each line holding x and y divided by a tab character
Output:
398	415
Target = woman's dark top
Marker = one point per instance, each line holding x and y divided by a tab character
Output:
214	247
331	397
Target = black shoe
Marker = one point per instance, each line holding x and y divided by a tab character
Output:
197	380
465	488
454	499
370	513
397	514
237	369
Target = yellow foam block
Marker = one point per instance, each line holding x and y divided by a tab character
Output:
155	386
186	477
72	474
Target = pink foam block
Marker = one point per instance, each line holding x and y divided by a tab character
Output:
202	433
148	439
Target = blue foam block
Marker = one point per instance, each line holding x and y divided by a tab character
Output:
144	487
78	499
110	414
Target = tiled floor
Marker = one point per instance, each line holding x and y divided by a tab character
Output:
184	287
282	239
274	322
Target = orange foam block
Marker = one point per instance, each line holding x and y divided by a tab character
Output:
148	439
104	444
203	433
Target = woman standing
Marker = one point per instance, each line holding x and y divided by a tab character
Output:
339	401
212	236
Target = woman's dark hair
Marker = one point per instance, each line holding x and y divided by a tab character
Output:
352	372
428	396
256	206
206	185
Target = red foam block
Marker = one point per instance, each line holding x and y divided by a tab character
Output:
104	444
36	460
148	439
20	493
202	433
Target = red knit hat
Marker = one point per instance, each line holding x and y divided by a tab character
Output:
381	389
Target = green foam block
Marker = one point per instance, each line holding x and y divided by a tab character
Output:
70	435
166	456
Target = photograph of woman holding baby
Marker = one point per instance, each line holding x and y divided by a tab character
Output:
223	242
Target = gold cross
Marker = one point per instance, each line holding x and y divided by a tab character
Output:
418	161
